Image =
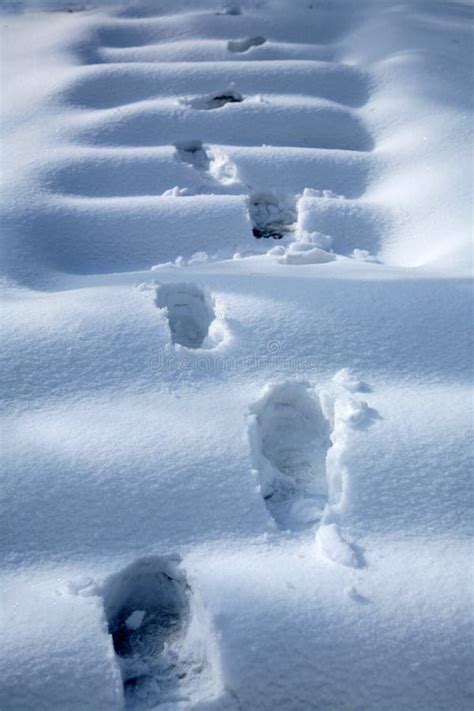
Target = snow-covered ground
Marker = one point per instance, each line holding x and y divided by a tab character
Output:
236	349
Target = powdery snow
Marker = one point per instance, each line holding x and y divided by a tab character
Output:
236	356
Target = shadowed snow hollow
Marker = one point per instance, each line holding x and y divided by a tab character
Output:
290	438
160	644
189	313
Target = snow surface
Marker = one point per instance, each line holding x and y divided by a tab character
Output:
236	355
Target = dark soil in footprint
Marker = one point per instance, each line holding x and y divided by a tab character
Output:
147	610
189	311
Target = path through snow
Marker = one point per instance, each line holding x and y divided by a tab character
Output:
237	356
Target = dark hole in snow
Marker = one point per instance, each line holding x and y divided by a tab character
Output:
215	101
267	234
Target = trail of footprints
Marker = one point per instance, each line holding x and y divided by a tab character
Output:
130	69
251	120
271	215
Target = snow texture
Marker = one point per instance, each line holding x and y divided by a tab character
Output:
236	355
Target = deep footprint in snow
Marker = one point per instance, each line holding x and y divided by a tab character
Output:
147	611
189	311
290	438
217	172
194	153
215	101
245	44
271	217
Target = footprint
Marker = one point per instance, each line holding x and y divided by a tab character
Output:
216	170
194	153
147	611
189	312
245	44
215	101
231	10
271	217
290	438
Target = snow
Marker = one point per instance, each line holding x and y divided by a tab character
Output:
329	543
135	620
236	356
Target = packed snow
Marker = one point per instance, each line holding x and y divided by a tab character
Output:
236	299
